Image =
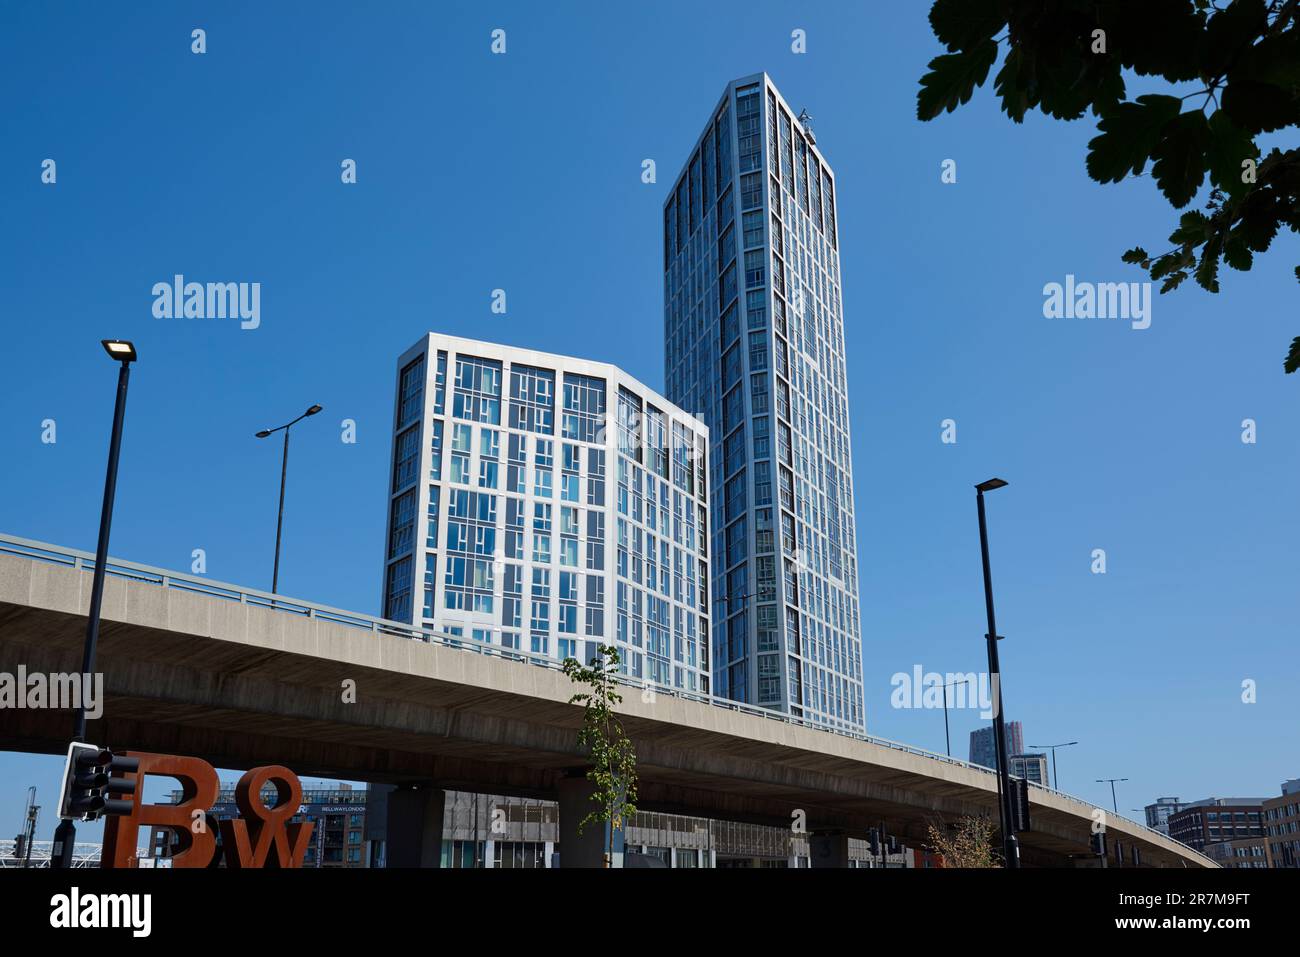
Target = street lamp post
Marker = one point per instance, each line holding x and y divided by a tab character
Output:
1056	782
1010	844
950	684
284	466
65	835
1114	802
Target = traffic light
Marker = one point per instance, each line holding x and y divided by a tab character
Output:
93	783
119	794
20	845
1099	843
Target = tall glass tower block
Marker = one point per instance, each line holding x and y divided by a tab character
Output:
754	345
546	505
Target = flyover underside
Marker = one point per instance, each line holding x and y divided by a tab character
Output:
238	705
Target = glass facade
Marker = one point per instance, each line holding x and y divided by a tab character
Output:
754	344
546	530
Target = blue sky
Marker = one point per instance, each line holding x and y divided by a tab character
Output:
522	172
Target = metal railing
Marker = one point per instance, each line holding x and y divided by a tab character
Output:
180	581
83	855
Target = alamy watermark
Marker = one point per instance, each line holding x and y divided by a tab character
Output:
63	690
133	912
927	689
214	300
1101	300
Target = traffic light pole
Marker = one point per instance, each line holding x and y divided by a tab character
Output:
65	835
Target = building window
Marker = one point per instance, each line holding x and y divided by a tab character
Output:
584	407
411	392
629	424
543	460
430	583
478	390
397	601
406	457
435	449
756	302
757	351
468	585
596	477
657	441
749	129
532	399
402	524
517	854
431	539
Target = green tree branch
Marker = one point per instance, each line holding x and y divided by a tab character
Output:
1068	57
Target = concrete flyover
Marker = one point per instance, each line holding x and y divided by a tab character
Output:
241	678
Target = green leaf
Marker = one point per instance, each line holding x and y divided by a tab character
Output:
1293	357
1167	264
1137	255
1173	282
1262	107
1193	227
1263	87
960	24
1237	254
952	79
1154	37
1179	167
1259	221
1129	133
1009	86
1229	146
1207	271
1229	33
1064	90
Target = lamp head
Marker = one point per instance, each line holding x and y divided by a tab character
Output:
119	349
313	410
990	485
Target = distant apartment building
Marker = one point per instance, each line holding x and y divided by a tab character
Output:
547	504
1202	823
1282	826
1031	767
338	816
1157	813
1244	852
984	752
482	831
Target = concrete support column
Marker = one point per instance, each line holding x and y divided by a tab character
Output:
828	849
414	818
588	848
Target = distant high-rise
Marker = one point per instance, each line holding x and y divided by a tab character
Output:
1282	826
754	345
547	504
1031	767
1157	814
983	751
1201	823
